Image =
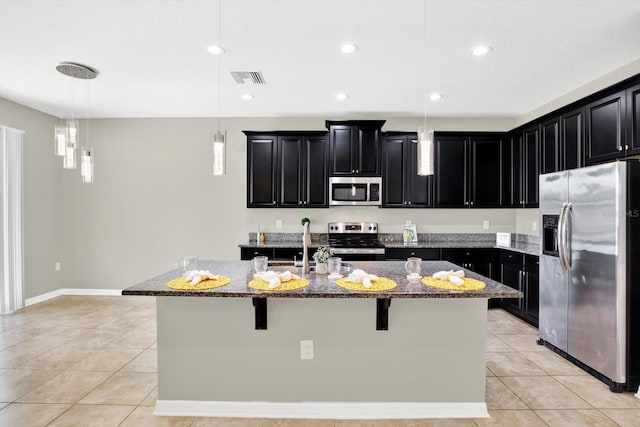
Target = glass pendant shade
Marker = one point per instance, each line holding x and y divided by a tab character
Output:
86	165
425	152
218	144
60	139
69	159
72	133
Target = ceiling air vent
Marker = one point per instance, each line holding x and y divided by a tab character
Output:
254	77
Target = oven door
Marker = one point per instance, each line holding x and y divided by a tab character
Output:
359	254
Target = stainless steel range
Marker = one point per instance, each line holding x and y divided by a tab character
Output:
356	241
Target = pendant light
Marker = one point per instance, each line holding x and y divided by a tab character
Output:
218	138
425	135
67	135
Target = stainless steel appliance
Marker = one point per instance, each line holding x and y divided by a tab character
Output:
355	191
589	269
356	241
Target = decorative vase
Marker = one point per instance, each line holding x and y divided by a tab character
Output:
321	268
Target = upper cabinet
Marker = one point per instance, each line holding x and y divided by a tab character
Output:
262	152
302	171
572	139
633	120
550	145
403	187
605	128
286	169
523	156
469	170
355	147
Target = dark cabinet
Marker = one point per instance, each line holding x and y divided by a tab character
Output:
469	170
262	152
531	289
302	171
520	272
550	146
633	120
355	147
403	187
605	128
398	254
249	253
481	261
287	169
572	139
524	167
511	264
531	166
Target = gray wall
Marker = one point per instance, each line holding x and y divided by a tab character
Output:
46	236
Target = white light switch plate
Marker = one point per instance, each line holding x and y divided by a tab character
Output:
485	224
57	266
278	223
534	226
407	222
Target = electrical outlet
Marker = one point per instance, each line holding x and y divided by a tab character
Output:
306	349
485	224
407	222
534	226
57	266
278	223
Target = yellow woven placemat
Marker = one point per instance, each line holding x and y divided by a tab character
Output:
291	285
468	285
183	285
382	284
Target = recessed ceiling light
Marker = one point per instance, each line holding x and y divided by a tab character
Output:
341	96
481	50
247	96
349	48
435	96
216	50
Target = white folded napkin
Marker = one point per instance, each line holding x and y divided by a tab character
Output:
276	279
196	276
360	276
455	277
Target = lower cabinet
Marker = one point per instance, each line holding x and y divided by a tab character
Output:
481	261
520	272
401	254
274	254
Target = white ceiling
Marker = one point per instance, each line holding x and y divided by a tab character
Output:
153	60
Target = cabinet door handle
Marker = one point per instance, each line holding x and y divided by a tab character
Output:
409	202
620	148
300	202
357	170
626	147
471	203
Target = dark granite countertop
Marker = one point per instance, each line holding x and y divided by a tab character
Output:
241	274
522	247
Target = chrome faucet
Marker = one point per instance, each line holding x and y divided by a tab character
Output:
306	241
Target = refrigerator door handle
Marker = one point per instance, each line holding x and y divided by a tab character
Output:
567	237
560	236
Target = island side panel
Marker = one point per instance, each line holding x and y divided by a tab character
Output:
434	350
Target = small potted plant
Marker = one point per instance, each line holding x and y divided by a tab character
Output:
321	256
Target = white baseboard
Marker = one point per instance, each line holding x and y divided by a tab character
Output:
71	291
322	410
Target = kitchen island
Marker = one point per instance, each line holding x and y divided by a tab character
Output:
411	352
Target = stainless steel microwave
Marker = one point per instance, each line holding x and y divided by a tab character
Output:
355	191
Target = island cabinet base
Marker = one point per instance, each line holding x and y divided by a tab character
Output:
430	363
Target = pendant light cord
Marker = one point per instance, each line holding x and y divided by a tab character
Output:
424	29
219	56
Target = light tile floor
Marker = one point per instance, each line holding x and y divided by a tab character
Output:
91	361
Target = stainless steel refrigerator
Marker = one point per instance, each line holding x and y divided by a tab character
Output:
589	282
